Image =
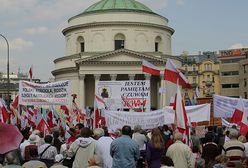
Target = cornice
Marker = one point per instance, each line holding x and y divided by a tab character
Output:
64	70
98	24
115	11
115	52
74	56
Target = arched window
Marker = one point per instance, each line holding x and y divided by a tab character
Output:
157	43
80	44
119	41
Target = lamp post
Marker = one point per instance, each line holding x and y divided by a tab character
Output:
8	82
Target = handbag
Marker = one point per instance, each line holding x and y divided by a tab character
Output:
69	161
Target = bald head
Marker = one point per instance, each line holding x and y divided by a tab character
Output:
178	136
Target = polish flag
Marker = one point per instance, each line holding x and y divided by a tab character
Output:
181	119
150	68
172	74
244	121
98	105
30	73
4	115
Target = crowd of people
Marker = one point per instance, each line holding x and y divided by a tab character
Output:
160	147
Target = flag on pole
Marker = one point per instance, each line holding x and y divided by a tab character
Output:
4	115
181	120
172	74
30	73
150	68
99	104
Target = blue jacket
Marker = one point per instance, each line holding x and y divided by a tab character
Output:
125	152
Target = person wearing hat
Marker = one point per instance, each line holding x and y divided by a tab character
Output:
33	140
58	162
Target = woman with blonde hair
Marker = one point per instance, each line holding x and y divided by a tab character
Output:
155	149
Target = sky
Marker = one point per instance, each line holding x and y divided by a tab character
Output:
33	28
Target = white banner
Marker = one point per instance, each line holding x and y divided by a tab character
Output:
131	94
224	107
57	93
149	120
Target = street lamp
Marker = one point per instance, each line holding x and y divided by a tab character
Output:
8	82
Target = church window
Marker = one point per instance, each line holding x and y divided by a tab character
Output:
119	41
158	44
80	44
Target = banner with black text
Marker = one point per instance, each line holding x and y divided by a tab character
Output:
130	94
57	93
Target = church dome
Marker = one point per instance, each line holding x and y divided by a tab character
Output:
118	5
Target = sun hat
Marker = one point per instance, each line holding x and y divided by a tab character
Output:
33	138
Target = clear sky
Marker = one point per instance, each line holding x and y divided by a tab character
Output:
33	28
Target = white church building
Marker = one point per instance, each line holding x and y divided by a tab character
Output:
108	41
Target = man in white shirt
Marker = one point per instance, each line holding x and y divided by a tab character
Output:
103	145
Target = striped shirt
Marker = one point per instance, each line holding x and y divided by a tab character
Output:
50	153
234	148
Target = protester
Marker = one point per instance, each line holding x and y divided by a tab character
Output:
180	153
166	162
124	150
47	152
33	140
155	149
200	162
56	141
221	138
11	160
141	139
196	143
221	161
233	148
34	162
25	133
103	145
210	150
84	149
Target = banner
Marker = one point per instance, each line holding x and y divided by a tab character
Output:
149	120
57	93
224	107
131	94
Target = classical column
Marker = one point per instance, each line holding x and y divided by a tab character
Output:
81	91
162	95
113	77
131	76
97	78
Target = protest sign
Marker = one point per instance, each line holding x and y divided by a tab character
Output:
57	93
152	119
132	94
224	107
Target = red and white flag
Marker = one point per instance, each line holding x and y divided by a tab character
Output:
98	105
30	73
172	74
244	121
181	120
150	68
4	115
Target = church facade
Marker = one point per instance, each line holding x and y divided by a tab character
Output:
108	41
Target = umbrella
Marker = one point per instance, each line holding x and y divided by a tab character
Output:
10	138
